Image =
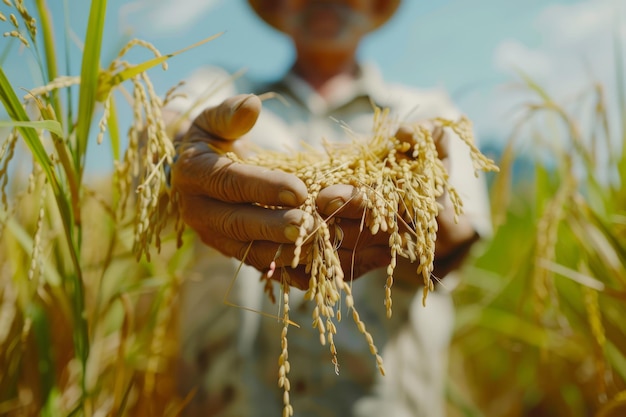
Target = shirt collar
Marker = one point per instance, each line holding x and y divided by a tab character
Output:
368	83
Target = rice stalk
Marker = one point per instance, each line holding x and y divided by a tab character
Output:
283	359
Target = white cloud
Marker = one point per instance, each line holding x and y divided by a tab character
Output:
512	54
164	17
579	22
576	49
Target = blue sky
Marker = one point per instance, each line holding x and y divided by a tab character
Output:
468	47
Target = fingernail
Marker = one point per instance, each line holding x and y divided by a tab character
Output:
287	198
239	102
292	232
244	112
334	206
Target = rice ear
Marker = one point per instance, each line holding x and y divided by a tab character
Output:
400	186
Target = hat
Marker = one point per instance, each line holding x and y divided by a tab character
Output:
268	11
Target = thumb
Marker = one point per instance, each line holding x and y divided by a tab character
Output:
231	119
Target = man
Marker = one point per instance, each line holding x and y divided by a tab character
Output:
230	354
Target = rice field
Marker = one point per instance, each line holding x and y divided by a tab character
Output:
90	267
539	323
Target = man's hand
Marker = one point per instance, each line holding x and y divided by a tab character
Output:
222	200
454	239
226	202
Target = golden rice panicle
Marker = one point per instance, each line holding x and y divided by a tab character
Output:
29	22
16	34
58	83
370	341
425	186
594	315
283	360
463	128
127	170
36	260
543	284
7	151
143	169
400	184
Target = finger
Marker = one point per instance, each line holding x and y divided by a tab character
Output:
242	222
261	255
406	134
356	263
353	263
264	256
294	277
231	119
341	200
352	233
441	140
200	171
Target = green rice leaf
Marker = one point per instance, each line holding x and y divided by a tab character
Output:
24	125
18	115
544	188
107	81
608	232
90	70
576	276
114	131
517	328
41	331
45	23
49	125
616	358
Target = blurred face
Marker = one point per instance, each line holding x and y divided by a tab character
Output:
329	24
330	21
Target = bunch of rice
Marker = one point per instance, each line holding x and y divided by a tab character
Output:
401	182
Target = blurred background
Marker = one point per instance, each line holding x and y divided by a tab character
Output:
540	328
474	49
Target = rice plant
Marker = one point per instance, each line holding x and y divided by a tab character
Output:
540	323
84	309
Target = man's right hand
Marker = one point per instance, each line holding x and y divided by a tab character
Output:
223	201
